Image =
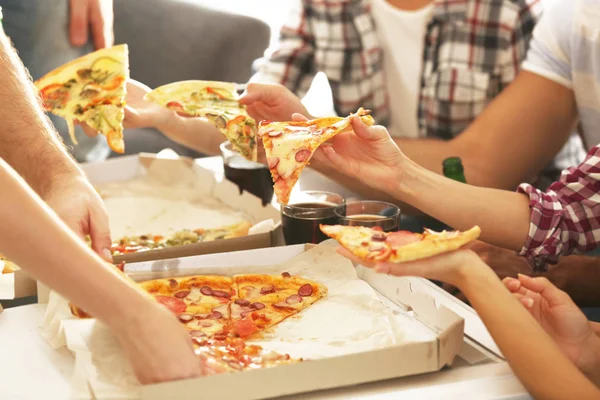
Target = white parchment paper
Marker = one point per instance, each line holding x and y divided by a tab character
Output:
352	318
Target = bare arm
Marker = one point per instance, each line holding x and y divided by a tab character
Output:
154	341
536	360
514	138
27	141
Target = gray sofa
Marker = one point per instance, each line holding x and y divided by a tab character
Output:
171	40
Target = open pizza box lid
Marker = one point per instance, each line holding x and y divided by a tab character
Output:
432	336
185	177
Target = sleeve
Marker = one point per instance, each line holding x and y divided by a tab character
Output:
290	63
566	217
522	22
550	48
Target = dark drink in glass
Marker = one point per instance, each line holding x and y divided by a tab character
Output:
301	220
247	175
370	214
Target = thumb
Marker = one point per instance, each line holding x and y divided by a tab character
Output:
553	295
299	117
256	92
363	131
100	233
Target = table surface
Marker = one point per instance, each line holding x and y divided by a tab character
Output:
27	357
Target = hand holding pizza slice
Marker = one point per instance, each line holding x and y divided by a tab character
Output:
91	90
218	102
289	146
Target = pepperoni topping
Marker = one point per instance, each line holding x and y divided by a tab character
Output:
197	334
185	317
302	155
245	327
379	236
207	291
305	290
275	133
206	324
401	238
294	299
267	289
257	306
182	294
273	162
234	364
286	275
215	315
220	336
242	302
245	314
220	293
173	284
174	304
283	305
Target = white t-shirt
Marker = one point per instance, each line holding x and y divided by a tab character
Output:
402	36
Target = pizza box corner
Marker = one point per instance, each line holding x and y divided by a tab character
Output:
442	341
16	285
173	168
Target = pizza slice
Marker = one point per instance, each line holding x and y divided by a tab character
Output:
263	301
215	101
7	266
372	244
289	146
200	302
233	354
135	244
90	89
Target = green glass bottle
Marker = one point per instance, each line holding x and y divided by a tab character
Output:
453	169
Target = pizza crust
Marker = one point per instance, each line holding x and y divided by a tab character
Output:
432	246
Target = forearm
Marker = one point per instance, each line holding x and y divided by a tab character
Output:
28	142
194	133
536	360
35	238
502	216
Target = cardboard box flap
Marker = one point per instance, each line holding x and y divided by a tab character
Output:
164	169
447	325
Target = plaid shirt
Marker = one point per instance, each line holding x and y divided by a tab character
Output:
472	50
566	217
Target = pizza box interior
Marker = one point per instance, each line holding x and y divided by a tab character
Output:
125	182
370	327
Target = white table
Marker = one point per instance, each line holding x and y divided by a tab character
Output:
32	370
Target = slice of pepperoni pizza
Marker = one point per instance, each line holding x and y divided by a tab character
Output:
200	302
289	146
264	301
372	244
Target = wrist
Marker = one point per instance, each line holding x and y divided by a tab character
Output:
407	176
473	275
591	368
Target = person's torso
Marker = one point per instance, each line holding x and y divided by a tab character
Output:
461	62
585	68
401	35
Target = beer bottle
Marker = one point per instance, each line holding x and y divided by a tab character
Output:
453	169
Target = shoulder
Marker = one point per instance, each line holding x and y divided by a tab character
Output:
508	15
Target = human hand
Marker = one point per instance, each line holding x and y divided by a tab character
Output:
140	113
271	102
96	15
560	317
368	154
505	263
158	346
78	204
448	267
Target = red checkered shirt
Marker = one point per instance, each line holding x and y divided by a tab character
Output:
566	217
472	50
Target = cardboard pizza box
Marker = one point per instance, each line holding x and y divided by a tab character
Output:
174	170
16	285
433	334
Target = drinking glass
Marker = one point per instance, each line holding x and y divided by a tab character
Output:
369	213
301	218
250	176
